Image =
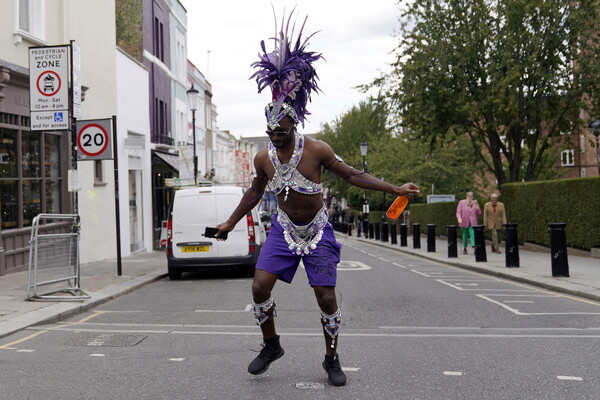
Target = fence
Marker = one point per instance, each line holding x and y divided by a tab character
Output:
54	261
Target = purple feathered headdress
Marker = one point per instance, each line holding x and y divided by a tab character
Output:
288	72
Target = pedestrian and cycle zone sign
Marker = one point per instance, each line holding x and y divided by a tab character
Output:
49	87
94	139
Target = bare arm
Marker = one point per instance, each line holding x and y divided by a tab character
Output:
362	179
250	199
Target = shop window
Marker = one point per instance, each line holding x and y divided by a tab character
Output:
29	186
8	153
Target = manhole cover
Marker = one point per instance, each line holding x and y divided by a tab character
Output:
309	385
105	340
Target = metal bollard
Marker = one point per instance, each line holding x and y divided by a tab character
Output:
349	229
403	235
480	254
512	245
558	249
377	231
385	227
366	228
393	234
416	236
452	246
431	238
371	230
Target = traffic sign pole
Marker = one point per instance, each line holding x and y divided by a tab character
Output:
117	211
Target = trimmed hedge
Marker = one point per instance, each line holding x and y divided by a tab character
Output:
533	205
440	214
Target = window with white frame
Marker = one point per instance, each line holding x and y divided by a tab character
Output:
181	56
567	158
31	17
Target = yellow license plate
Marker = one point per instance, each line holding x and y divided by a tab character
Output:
193	249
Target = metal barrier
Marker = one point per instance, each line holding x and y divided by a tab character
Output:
54	261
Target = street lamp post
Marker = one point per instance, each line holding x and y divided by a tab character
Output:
192	95
364	147
594	128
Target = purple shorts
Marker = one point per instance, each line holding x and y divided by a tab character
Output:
321	265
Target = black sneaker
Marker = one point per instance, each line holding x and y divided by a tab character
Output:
334	370
271	351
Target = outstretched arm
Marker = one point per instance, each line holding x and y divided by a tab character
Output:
250	199
362	179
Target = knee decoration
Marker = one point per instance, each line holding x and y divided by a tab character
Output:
332	324
261	309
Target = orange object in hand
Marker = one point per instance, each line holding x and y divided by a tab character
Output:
397	207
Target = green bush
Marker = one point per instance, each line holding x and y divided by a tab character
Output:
440	214
533	205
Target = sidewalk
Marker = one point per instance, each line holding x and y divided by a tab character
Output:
99	279
535	267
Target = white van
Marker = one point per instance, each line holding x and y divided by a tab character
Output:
196	208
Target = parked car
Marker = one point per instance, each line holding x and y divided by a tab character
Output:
195	209
265	219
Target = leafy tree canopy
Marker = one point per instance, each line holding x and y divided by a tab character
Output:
509	75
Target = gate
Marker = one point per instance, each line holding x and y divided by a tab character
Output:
54	261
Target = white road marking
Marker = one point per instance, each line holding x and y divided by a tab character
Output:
223	311
569	378
97	355
25	351
399	265
349	334
519	301
517	312
350	369
176	359
453	373
493	290
467	284
383	259
248	307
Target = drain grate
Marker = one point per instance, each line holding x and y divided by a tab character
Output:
105	340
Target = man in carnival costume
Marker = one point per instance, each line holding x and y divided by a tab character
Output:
291	167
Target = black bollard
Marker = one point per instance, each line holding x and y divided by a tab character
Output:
512	245
431	238
416	236
385	227
403	235
366	228
393	233
480	254
349	229
377	231
371	230
452	250
558	249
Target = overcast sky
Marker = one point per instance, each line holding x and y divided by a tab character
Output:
356	38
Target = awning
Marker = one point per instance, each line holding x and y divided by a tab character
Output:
171	159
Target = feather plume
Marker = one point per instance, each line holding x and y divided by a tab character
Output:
288	70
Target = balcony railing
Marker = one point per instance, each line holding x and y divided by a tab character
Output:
162	139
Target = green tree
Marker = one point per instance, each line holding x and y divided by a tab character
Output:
397	158
511	75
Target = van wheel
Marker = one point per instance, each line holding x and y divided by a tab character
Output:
174	274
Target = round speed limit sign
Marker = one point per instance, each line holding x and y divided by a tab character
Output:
92	141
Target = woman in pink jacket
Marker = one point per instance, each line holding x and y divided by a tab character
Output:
466	214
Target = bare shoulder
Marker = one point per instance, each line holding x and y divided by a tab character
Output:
261	159
318	147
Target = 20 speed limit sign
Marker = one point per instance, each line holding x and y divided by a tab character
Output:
93	139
